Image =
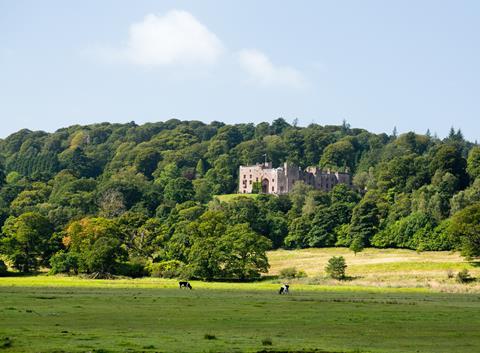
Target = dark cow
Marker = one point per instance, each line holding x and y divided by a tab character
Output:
284	289
184	284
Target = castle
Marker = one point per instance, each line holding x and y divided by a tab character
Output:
281	180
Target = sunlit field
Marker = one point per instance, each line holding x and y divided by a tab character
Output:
41	314
434	270
388	304
230	197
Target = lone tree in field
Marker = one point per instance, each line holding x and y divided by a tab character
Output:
336	267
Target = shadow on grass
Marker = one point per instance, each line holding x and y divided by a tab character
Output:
350	278
20	274
247	280
475	263
268	278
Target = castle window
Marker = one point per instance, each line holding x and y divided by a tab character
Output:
244	176
273	189
250	182
250	176
257	178
273	180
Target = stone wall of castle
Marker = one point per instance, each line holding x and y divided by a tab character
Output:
281	180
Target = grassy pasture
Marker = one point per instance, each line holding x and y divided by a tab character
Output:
382	267
390	305
62	314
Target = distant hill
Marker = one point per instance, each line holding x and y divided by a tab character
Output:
410	191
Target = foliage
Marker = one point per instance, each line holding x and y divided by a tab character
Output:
64	262
297	231
166	269
465	227
148	192
244	252
26	241
96	244
226	251
134	269
3	268
364	223
336	267
407	232
292	272
473	162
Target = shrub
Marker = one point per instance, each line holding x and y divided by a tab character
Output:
3	268
464	276
166	269
292	272
209	336
289	272
267	341
336	267
102	256
187	272
256	187
131	269
64	262
301	274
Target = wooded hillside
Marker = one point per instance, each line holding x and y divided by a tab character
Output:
114	198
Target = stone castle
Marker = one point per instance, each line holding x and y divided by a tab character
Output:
281	180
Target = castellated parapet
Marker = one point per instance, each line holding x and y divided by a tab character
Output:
281	180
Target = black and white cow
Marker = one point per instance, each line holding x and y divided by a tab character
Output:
184	284
284	289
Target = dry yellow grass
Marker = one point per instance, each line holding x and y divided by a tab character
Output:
381	267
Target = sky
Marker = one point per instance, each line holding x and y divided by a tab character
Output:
413	65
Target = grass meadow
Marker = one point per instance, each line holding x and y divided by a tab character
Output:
398	268
230	197
71	314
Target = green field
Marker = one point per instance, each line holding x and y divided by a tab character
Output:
390	304
230	197
397	268
55	314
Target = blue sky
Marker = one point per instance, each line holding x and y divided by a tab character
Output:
377	64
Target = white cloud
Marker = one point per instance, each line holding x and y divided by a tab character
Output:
261	70
177	38
174	38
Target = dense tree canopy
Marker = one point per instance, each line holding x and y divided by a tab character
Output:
466	227
133	195
27	240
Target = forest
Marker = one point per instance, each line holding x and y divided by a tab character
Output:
137	200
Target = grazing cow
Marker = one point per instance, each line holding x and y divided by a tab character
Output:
184	284
284	289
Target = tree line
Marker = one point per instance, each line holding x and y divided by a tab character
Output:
140	199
